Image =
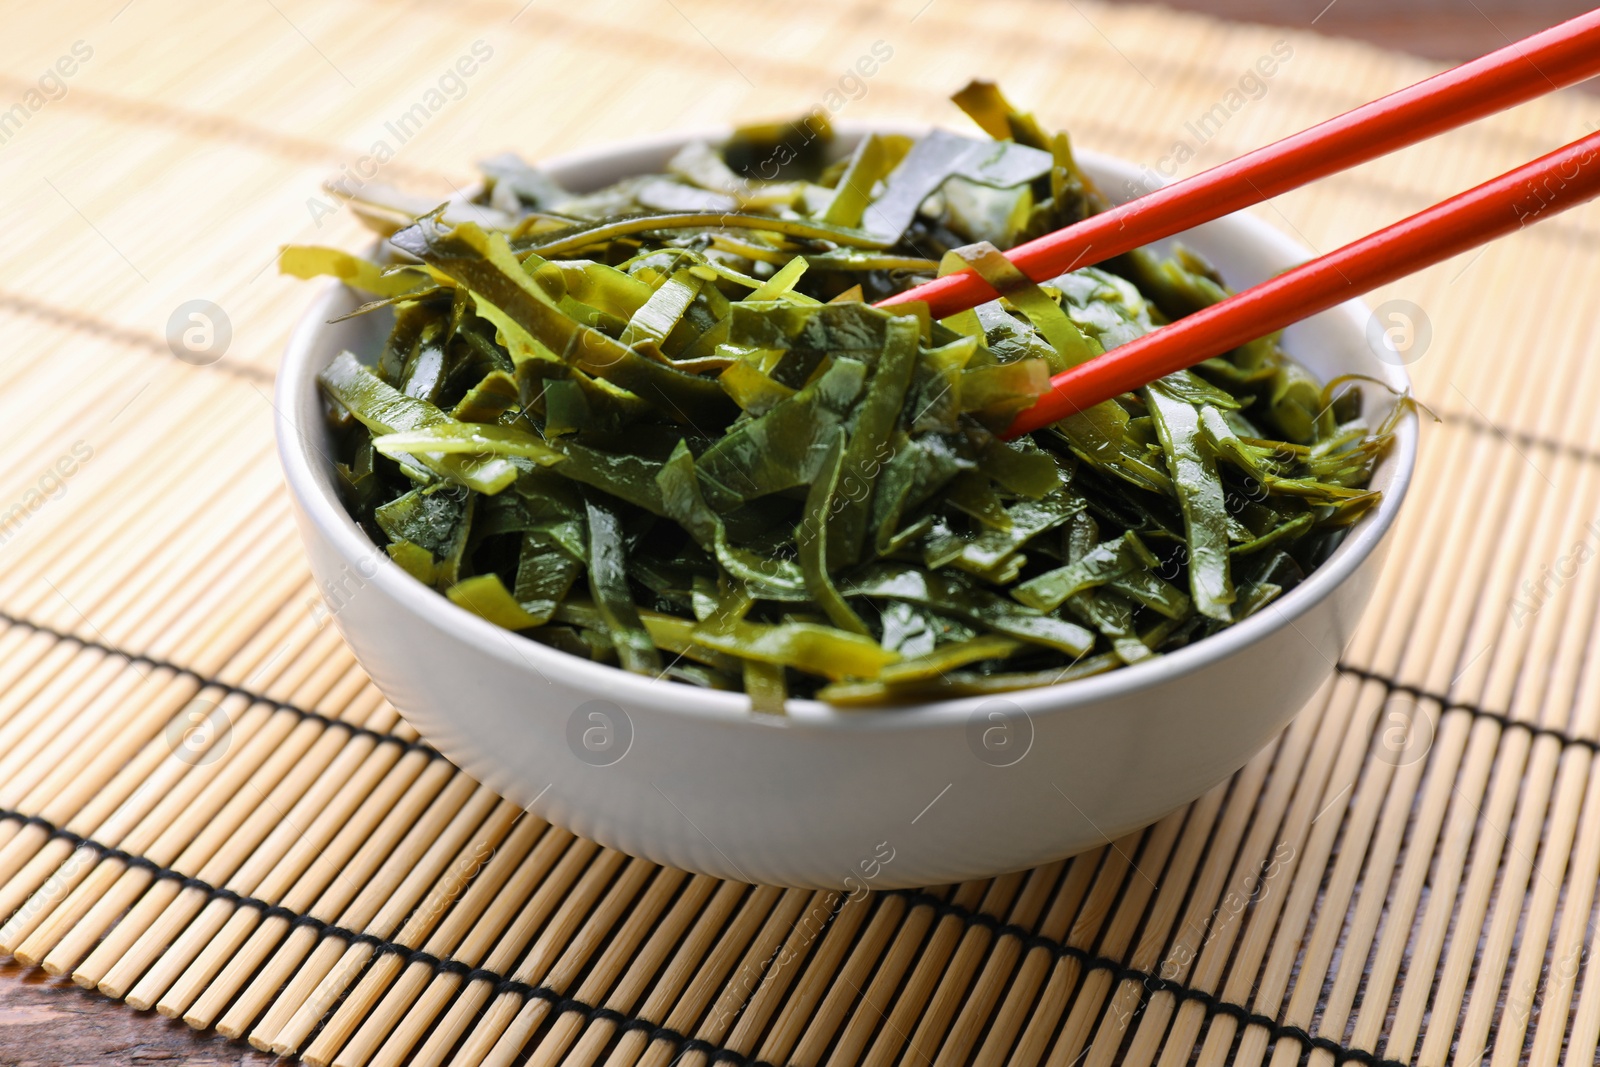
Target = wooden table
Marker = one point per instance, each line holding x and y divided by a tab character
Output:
1438	29
49	1022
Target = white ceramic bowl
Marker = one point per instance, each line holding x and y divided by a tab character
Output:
918	795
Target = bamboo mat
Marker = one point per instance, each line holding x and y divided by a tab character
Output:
1406	875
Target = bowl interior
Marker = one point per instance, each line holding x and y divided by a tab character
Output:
1243	248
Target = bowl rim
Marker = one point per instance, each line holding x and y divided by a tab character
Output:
312	485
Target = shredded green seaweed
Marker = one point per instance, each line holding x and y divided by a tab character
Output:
660	425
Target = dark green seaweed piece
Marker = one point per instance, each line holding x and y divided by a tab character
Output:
939	156
813	537
768	577
804	646
1108	562
483	263
952	595
869	443
784	448
1200	493
608	584
437	519
996	554
545	573
382	409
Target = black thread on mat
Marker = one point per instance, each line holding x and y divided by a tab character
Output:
455	967
221	127
502	984
227	689
563	1004
1151	982
77	320
269	141
1521	437
1506	722
433	962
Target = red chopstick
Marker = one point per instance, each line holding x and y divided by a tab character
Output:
1549	60
1549	185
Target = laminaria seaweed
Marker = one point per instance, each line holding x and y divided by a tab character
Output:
661	425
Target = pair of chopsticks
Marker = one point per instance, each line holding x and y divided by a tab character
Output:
1552	59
